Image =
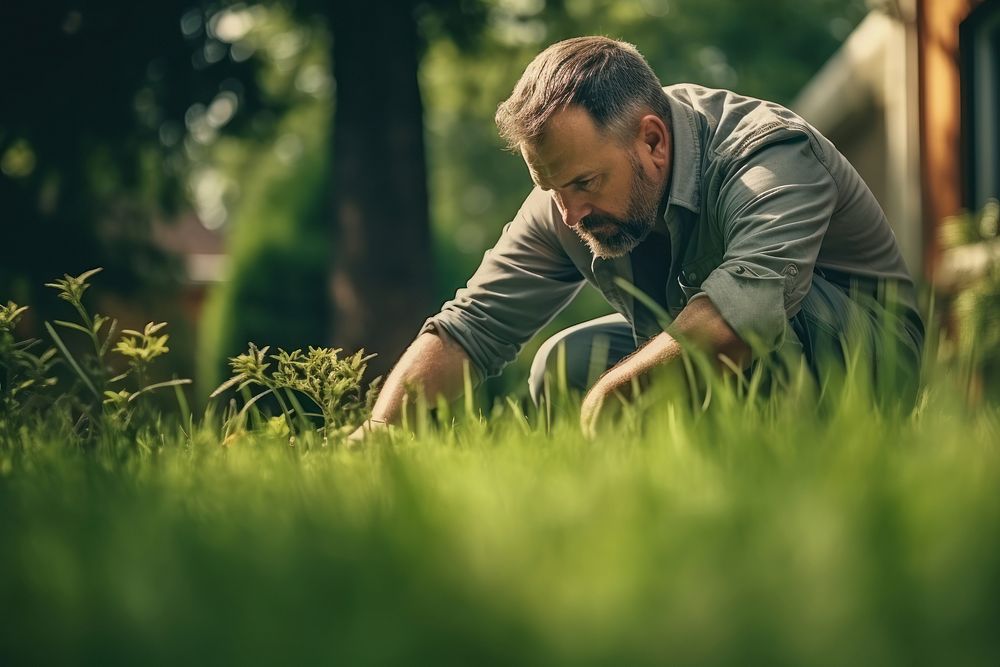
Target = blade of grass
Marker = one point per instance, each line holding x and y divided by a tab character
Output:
519	417
73	325
186	417
111	334
255	416
469	398
72	361
304	424
158	385
288	417
236	379
662	316
258	423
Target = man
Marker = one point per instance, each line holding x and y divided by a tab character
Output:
739	220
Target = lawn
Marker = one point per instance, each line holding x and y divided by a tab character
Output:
767	532
710	522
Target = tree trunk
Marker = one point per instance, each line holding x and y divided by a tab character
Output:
381	278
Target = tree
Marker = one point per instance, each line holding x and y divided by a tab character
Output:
372	178
382	274
96	103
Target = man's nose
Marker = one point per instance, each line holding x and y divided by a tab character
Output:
573	209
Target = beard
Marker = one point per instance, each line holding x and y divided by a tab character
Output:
609	236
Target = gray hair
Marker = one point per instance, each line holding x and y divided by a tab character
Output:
609	79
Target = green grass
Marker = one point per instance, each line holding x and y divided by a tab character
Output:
764	533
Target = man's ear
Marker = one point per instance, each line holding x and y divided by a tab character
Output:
654	139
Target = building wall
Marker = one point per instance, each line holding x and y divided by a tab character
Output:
940	115
864	100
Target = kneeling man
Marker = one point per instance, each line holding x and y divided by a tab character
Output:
739	220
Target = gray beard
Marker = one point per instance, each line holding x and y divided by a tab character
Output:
627	232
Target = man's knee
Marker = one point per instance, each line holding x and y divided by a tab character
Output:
576	356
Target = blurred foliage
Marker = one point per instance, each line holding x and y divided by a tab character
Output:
115	114
105	106
277	190
27	368
975	307
330	383
274	191
88	402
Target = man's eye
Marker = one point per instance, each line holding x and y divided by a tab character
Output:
585	185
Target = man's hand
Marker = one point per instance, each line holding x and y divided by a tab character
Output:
434	364
605	399
362	432
700	323
593	405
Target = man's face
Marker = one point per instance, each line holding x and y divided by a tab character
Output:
605	191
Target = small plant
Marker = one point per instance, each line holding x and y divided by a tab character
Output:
975	298
138	348
331	383
93	372
25	374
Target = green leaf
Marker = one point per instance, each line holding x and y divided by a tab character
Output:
158	385
72	361
116	398
184	407
249	404
111	334
87	274
73	325
297	408
26	345
231	382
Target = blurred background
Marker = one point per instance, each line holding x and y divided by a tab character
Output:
328	173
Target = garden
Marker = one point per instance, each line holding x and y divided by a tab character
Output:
221	226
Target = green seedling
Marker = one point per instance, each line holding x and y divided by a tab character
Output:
93	372
331	383
139	348
25	374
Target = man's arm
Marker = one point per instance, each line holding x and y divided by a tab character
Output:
433	364
699	323
774	209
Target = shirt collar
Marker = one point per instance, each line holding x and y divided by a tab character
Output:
685	167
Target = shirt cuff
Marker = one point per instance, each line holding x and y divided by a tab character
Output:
753	305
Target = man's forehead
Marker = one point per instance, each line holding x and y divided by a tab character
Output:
556	176
546	165
570	146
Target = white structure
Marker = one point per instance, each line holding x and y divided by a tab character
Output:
865	99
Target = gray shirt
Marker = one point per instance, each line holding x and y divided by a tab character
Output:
758	199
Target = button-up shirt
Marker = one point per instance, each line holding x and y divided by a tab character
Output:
758	199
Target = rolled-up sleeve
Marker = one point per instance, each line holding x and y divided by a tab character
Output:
521	284
774	208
